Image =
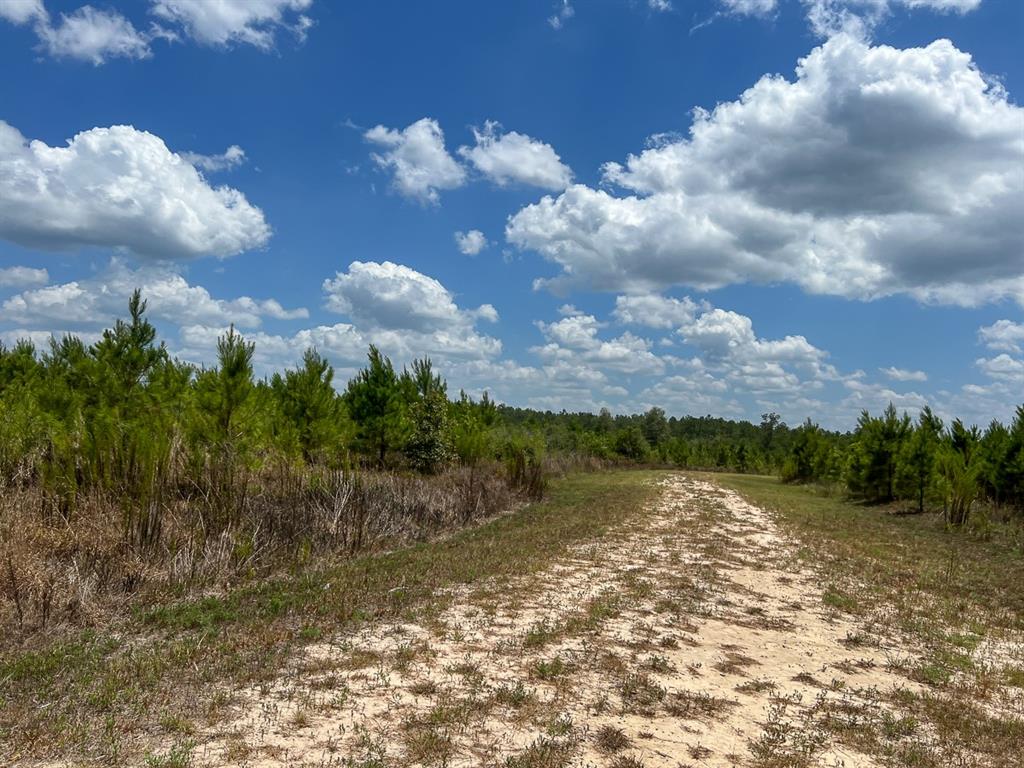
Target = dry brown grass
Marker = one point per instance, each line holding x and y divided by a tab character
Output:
56	571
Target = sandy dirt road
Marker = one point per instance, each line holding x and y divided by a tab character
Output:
688	637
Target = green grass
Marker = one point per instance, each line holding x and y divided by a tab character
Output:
549	669
838	599
179	756
89	695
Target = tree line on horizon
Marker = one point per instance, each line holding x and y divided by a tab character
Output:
124	417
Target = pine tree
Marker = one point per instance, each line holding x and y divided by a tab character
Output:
376	404
655	427
310	408
878	442
916	460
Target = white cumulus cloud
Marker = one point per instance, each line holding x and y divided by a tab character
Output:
513	157
405	313
1003	335
875	171
829	17
654	311
397	297
470	243
21	277
1002	368
97	301
574	340
417	158
119	187
96	34
93	35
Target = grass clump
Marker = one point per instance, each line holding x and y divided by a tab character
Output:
609	739
640	694
549	669
543	753
178	756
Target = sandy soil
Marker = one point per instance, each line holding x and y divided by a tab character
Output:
687	638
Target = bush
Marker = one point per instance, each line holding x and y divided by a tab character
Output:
631	444
430	445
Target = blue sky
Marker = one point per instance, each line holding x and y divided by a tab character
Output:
720	206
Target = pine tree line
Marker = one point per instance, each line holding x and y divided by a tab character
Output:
922	462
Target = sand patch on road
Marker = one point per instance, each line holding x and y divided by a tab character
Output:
689	637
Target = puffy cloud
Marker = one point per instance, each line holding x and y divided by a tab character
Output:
21	277
554	386
661	6
654	311
417	158
119	187
725	336
232	157
733	365
996	398
876	171
901	374
470	243
93	35
784	369
395	297
408	312
1002	368
634	244
720	332
226	22
22	11
514	157
345	344
574	340
1003	335
87	33
98	301
576	330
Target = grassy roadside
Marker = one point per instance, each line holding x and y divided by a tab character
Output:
165	671
957	595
